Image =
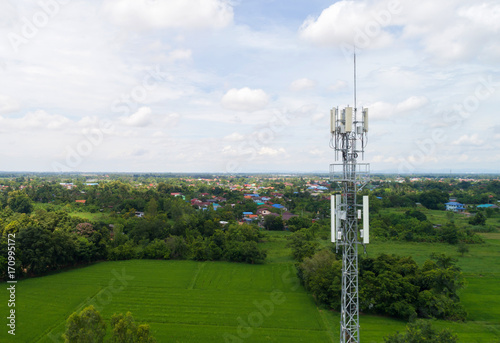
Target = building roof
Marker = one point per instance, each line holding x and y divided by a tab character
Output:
486	206
288	215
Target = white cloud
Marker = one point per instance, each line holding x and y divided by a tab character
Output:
78	67
179	55
267	151
453	30
412	103
245	99
469	140
228	150
234	137
384	110
317	117
140	118
8	104
38	119
485	15
172	119
302	84
340	84
317	152
183	14
350	22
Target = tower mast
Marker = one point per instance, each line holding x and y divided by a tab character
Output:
347	130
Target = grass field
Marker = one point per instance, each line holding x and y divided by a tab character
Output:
187	301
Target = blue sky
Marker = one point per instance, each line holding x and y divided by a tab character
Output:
246	86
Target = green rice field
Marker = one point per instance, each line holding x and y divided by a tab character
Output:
187	301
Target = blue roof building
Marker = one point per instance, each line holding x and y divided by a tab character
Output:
454	206
278	206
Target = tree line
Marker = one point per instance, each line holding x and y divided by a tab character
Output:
390	285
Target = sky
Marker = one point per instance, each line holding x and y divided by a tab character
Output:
247	86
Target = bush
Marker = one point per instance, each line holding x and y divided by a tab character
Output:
86	326
422	331
247	252
478	219
157	250
302	244
122	252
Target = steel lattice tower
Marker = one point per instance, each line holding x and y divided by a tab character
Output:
348	140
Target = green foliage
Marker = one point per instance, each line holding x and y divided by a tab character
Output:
151	208
247	252
433	199
85	327
416	214
321	275
414	227
462	249
297	223
448	233
41	250
122	252
478	219
177	247
422	331
157	249
390	285
125	330
84	229
303	244
273	223
19	202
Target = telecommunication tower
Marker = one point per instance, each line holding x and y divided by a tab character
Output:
348	138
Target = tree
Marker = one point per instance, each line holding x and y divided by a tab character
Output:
321	274
478	219
273	223
247	252
84	229
302	244
434	199
416	214
36	249
449	233
297	223
151	208
422	331
125	330
390	284
157	249
85	327
462	249
19	202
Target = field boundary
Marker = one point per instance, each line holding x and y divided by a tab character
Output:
201	265
79	307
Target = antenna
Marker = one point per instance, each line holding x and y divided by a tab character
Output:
355	104
346	131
